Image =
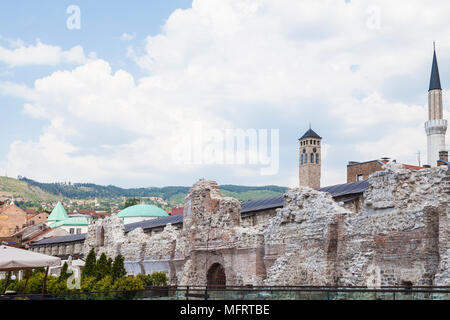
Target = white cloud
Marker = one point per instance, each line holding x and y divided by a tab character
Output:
128	36
245	62
20	55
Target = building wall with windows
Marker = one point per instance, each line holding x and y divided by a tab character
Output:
358	171
12	219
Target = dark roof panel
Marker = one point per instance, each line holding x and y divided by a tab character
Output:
71	238
263	204
277	202
346	188
310	134
154	223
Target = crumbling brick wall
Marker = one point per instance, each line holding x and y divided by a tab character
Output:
211	227
302	240
399	237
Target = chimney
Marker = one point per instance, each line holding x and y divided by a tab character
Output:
443	155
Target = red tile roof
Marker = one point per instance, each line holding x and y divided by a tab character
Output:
406	166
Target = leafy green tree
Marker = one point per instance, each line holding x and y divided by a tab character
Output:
131	202
57	286
90	266
159	279
118	269
35	283
109	265
102	266
88	283
105	284
128	284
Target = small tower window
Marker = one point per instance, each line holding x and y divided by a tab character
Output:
301	161
312	157
317	158
306	158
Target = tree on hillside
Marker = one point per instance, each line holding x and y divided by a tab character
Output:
90	266
118	269
131	202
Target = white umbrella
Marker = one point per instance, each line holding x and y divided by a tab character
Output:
12	259
17	259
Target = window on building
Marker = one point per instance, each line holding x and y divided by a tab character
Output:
359	177
306	158
78	230
317	158
312	157
301	157
72	230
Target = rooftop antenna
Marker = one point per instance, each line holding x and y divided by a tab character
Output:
434	45
418	157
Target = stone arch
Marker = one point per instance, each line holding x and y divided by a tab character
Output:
216	276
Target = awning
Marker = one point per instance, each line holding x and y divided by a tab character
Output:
17	259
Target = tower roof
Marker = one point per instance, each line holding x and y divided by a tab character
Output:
435	81
58	213
310	134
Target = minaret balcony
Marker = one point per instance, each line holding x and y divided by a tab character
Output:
437	126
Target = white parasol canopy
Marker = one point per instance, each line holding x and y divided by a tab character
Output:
17	259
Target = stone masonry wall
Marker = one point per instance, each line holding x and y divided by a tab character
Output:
399	237
301	240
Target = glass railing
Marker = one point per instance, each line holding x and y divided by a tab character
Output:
252	293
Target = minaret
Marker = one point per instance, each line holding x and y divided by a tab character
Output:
310	159
436	126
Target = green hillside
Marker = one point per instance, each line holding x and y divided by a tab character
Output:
174	195
13	188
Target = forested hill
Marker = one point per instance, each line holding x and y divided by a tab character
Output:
91	191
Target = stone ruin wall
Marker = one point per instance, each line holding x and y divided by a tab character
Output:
400	236
212	229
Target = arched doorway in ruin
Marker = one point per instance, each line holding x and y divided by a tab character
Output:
216	276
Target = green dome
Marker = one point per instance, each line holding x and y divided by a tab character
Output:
142	210
58	213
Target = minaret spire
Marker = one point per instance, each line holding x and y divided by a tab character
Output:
436	126
435	80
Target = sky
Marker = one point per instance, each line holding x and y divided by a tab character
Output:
143	93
